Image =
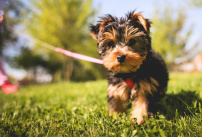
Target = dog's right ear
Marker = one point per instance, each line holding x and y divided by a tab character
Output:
94	30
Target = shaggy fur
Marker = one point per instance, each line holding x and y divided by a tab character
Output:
124	46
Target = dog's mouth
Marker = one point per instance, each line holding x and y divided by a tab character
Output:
123	68
125	75
124	63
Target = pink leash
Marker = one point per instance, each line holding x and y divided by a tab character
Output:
79	56
90	59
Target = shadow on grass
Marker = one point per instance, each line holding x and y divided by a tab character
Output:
181	104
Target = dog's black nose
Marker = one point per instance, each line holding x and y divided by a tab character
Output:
121	58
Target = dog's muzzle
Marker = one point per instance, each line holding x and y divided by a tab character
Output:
121	58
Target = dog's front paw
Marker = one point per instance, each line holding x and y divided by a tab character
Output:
141	119
150	114
137	119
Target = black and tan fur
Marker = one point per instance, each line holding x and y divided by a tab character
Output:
124	46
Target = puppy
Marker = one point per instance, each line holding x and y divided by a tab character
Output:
135	71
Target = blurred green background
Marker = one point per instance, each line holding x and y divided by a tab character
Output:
176	34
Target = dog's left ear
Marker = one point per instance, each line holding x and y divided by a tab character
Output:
146	23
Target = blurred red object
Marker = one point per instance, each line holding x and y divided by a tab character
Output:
5	82
8	88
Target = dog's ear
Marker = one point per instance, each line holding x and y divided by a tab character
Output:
95	30
146	23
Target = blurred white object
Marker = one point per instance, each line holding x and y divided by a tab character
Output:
1	13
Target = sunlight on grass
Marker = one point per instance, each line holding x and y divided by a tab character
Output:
80	109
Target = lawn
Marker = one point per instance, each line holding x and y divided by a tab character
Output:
80	109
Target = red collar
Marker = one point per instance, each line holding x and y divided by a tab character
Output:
129	81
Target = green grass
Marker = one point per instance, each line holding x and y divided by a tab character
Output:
80	109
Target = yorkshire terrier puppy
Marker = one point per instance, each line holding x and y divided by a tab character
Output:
135	71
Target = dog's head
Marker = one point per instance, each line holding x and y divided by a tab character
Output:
123	43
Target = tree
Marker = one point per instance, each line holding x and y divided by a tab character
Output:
63	24
195	3
167	36
29	61
12	16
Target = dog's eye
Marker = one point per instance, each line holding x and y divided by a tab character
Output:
111	44
131	42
